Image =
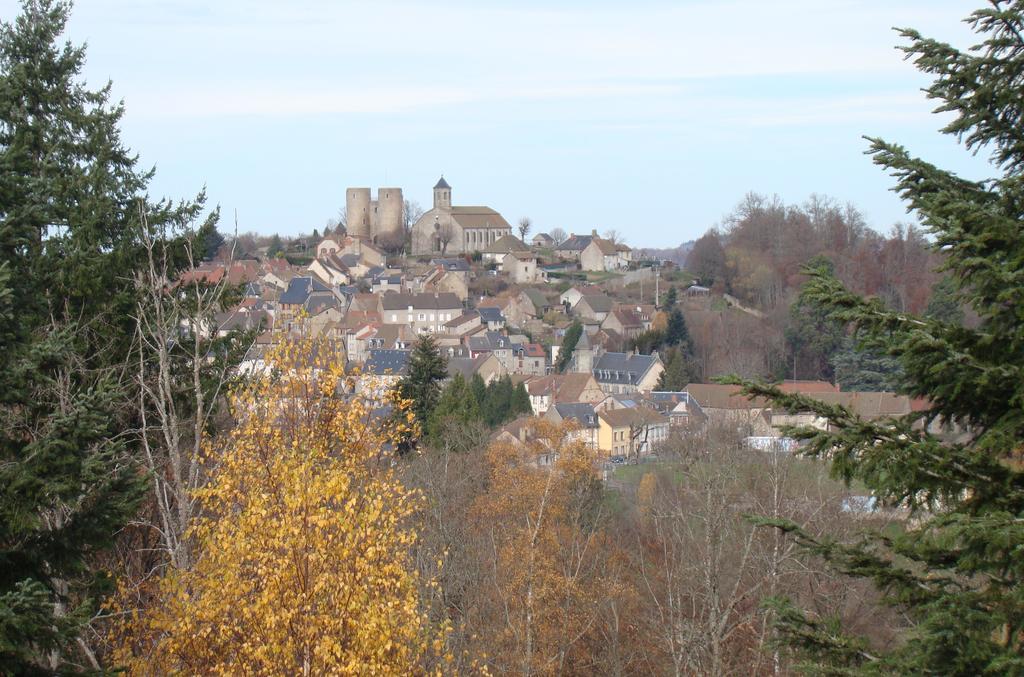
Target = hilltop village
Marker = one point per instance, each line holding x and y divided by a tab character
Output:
586	329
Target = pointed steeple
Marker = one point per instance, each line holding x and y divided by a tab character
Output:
442	194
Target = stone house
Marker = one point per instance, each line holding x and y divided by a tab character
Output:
491	342
533	304
625	321
294	297
425	313
622	373
496	251
573	247
486	366
528	358
593	307
493	317
445	281
463	324
581	416
724	405
328	247
601	255
330	270
570	297
632	432
682	410
546	391
521	267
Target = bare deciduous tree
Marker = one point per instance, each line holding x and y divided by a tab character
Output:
524	227
444	233
411	213
558	235
179	381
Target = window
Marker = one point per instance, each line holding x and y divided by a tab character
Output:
422	317
394	317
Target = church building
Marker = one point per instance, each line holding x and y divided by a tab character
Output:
446	230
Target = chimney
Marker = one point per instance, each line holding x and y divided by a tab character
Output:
593	233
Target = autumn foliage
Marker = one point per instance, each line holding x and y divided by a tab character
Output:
545	580
302	562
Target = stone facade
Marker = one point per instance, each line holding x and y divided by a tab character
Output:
374	220
446	229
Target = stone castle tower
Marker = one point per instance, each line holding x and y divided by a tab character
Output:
373	220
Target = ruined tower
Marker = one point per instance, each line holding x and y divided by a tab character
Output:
358	212
370	219
389	210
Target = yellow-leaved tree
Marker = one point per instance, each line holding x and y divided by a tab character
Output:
544	607
302	548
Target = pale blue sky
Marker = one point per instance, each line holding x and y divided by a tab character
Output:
653	118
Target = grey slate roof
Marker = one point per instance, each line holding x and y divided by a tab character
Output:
383	361
536	298
576	243
581	412
232	320
457	264
622	368
506	244
318	302
467	366
489	341
668	399
441	183
490	314
443	301
599	303
299	289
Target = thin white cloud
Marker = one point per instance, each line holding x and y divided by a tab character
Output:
279	99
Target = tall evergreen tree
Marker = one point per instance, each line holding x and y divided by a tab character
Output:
422	383
521	401
956	570
276	246
861	369
478	390
569	341
812	335
677	373
943	305
70	201
210	240
455	406
676	332
670	299
499	401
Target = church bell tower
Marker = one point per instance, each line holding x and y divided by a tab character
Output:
442	194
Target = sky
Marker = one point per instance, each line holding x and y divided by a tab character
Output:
650	117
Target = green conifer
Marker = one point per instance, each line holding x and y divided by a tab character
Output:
956	571
569	341
521	401
422	382
70	202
